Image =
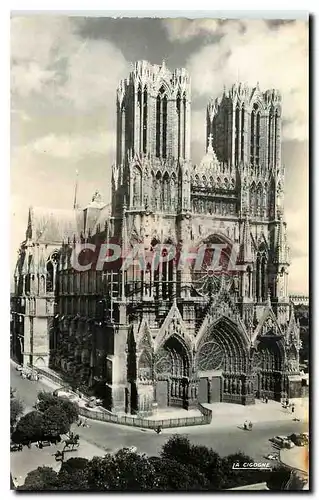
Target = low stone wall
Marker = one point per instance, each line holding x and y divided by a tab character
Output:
106	416
144	423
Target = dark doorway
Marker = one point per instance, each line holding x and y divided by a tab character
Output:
162	393
215	390
203	391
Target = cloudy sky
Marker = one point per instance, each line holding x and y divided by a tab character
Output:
64	74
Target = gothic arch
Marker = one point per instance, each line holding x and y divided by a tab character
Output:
137	185
173	358
145	365
269	355
222	348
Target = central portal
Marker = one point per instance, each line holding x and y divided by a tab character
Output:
172	371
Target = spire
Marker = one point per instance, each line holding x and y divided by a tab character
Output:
210	148
75	202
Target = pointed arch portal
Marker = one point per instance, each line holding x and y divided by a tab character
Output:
172	368
222	362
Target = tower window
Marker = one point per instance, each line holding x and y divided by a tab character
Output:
242	134
255	136
178	108
145	121
158	126
164	140
237	134
270	126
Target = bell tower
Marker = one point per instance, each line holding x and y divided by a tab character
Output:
153	133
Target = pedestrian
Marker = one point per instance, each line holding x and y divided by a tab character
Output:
287	402
266	399
292	408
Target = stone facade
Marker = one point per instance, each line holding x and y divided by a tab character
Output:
171	334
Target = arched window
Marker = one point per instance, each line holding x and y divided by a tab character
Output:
270	138
139	118
178	109
255	135
51	272
242	133
161	123
164	138
145	121
237	133
257	153
158	126
184	126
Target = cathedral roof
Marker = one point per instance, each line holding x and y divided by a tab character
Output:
46	225
103	217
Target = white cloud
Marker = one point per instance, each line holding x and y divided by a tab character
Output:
184	29
252	51
74	146
50	59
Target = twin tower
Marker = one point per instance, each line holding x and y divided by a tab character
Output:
154	131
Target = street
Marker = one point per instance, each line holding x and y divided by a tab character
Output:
224	440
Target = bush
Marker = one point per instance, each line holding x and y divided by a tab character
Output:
43	478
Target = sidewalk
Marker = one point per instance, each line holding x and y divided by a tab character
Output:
296	458
226	414
27	460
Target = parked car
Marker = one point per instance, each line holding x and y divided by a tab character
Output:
282	442
19	368
43	444
299	439
16	447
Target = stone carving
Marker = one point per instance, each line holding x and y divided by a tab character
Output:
211	356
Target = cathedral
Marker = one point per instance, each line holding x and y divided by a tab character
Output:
170	335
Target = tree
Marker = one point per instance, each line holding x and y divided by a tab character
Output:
16	410
70	409
73	474
55	421
47	400
234	477
124	471
175	476
205	460
278	478
43	478
29	428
